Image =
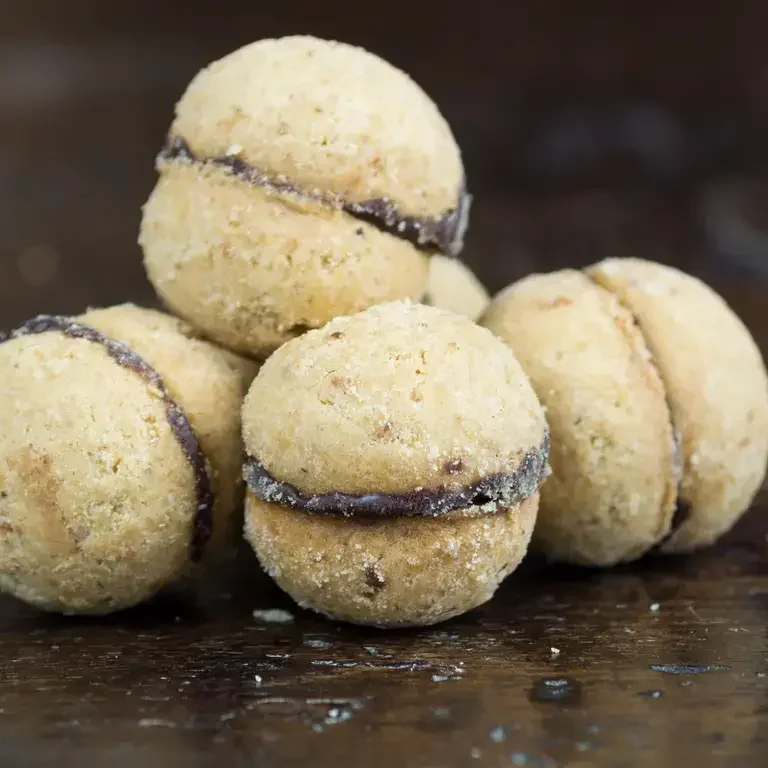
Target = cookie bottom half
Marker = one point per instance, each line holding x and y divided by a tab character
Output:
252	268
393	572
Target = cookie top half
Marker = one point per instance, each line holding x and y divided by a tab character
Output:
329	120
398	399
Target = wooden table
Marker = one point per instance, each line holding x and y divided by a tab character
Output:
662	663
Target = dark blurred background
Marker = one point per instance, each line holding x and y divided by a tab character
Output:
588	128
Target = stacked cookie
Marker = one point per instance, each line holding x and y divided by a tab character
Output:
301	180
395	453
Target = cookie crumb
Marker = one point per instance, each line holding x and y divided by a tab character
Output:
273	616
498	734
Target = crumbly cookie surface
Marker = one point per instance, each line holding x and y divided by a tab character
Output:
393	399
382	423
328	116
716	382
209	385
397	572
253	269
303	179
624	355
453	286
99	498
612	493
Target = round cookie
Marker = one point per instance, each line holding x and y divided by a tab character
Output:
657	400
612	493
716	384
394	461
302	179
453	286
116	461
207	382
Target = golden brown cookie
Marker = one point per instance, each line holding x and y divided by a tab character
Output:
453	286
302	179
394	463
612	493
657	400
120	454
717	389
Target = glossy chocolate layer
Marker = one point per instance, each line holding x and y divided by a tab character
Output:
505	490
444	233
182	429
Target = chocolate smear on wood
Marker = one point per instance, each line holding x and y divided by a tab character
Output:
182	429
444	233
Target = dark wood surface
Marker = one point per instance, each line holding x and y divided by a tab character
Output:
588	129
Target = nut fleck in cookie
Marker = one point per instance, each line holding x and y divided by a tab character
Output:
453	286
657	400
302	179
120	456
394	462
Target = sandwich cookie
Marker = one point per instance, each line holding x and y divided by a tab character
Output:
120	456
394	464
301	180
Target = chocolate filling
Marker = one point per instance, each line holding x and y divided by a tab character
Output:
682	513
683	508
504	489
444	233
182	429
